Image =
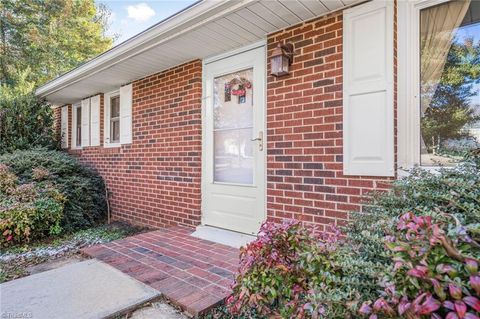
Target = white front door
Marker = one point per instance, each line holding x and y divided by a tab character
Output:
233	181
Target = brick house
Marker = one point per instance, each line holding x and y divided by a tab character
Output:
193	122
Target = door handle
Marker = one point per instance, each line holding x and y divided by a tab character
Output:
260	140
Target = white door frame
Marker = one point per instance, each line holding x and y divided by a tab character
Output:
205	178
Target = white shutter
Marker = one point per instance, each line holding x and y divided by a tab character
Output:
126	114
95	121
85	122
73	142
368	129
106	119
64	127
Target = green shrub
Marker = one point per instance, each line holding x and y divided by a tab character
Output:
28	211
281	269
376	260
448	198
295	272
8	180
454	190
83	189
25	122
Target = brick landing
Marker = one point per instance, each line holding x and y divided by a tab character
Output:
193	273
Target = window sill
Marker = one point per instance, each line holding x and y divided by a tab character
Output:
111	145
405	172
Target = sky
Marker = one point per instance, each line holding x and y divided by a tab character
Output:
131	17
471	32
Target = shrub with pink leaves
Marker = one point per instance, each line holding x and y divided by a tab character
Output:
435	274
387	263
280	271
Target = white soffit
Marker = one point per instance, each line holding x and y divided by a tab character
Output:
205	29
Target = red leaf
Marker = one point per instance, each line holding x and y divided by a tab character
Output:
460	308
470	315
403	306
475	283
451	315
418	272
449	305
365	308
472	302
428	306
455	291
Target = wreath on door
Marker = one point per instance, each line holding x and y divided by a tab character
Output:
237	86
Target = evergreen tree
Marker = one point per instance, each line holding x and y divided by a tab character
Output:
25	120
450	109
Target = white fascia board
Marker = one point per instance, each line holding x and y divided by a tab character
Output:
182	21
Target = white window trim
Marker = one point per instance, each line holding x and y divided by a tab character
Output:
74	126
106	112
409	84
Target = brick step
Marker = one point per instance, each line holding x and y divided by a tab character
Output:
192	273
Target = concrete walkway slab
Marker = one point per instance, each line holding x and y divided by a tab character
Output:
88	289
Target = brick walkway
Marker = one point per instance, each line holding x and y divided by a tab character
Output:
193	273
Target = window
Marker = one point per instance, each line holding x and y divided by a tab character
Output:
118	117
78	126
449	81
233	128
115	119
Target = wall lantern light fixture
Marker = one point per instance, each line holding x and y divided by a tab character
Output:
281	59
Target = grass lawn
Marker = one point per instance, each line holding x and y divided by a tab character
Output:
15	260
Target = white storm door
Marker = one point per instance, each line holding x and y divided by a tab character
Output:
233	181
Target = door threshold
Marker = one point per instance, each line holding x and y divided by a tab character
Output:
223	236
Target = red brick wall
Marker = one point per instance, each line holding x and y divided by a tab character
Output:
155	181
304	130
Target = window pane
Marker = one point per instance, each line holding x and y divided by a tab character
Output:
79	127
233	100
449	81
79	116
115	107
234	156
115	131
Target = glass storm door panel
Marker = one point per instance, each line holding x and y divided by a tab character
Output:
233	128
233	173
